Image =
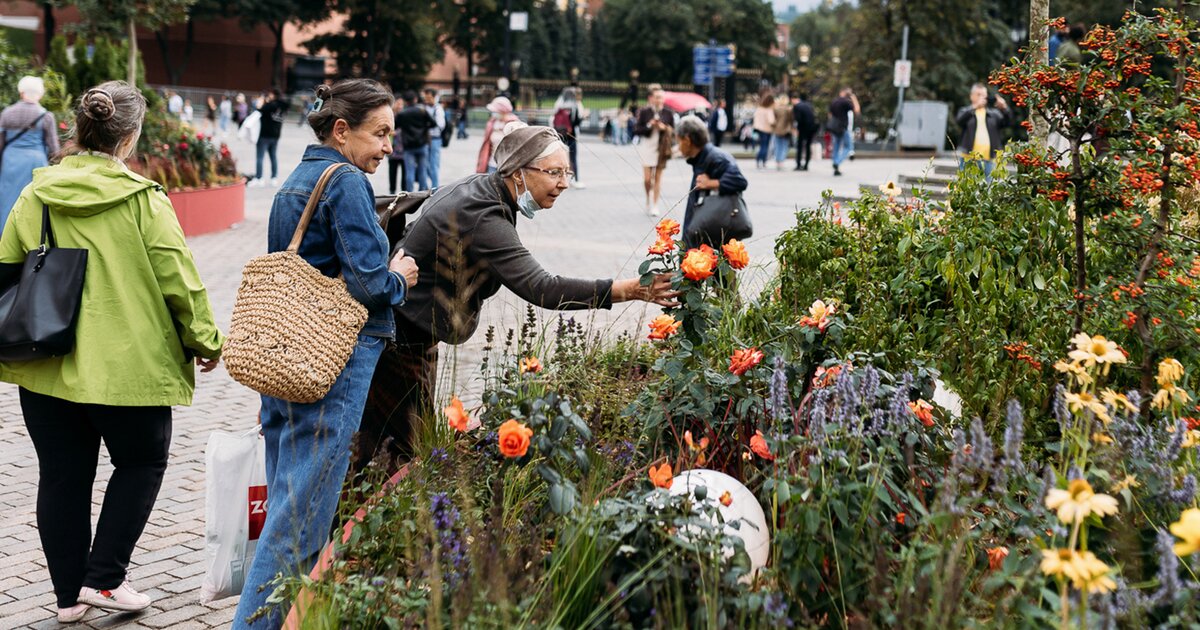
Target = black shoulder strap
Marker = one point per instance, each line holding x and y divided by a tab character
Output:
47	233
26	130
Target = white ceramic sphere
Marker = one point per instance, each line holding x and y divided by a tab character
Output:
744	507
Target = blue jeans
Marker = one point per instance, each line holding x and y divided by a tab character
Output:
435	160
782	144
308	453
842	145
986	165
416	164
764	145
268	146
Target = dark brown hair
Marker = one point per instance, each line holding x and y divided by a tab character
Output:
349	100
107	115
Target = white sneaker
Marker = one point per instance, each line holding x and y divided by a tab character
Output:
654	211
256	183
121	598
274	182
73	614
578	184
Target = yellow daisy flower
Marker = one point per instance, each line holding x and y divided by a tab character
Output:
1095	350
1130	481
1169	371
1078	501
890	189
1116	401
1187	528
1084	400
1075	371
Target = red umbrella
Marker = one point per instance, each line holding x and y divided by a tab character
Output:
685	101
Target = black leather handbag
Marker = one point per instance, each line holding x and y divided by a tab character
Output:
393	211
39	300
717	218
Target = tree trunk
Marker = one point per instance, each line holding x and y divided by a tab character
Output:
1080	237
48	25
277	77
131	73
1039	15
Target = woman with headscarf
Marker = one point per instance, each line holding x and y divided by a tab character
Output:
655	127
502	114
466	245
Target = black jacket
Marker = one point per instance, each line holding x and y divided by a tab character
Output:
413	124
996	119
805	118
466	246
718	165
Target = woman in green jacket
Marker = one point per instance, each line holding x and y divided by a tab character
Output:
144	315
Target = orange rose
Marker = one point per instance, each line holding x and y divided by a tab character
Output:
818	315
743	360
923	411
900	518
661	477
666	229
663	326
759	446
726	499
698	263
514	438
996	556
736	253
456	415
531	364
826	377
662	246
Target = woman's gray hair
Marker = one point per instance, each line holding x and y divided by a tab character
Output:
107	115
692	128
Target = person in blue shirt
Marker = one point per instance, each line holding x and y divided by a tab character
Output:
308	445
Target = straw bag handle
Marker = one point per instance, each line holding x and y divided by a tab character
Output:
311	206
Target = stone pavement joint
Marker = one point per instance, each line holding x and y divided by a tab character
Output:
602	231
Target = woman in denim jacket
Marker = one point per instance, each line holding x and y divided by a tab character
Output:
308	445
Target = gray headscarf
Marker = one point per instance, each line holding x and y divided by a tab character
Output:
521	146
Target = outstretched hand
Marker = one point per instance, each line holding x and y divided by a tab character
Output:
660	292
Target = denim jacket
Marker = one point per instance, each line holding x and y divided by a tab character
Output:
343	237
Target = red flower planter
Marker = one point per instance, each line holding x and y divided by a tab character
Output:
206	210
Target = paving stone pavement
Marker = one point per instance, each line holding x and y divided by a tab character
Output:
600	231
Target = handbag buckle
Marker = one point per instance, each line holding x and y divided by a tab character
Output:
41	254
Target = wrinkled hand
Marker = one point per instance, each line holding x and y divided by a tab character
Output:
207	365
660	292
405	266
704	182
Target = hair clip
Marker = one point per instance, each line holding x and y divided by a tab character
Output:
317	104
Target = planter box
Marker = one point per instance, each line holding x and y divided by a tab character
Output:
209	209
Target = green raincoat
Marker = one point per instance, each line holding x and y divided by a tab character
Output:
145	311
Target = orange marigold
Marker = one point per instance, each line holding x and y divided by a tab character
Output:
531	364
744	359
758	444
726	499
736	253
514	438
663	326
661	477
698	263
996	556
923	411
456	415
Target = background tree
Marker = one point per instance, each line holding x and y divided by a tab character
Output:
201	10
394	42
275	14
117	17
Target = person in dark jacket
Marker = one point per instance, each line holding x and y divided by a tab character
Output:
981	125
806	125
467	248
396	170
413	124
712	168
718	123
272	112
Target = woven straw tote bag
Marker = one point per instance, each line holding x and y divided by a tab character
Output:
293	328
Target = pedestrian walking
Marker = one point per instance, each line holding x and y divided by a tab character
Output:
839	126
656	132
764	128
210	115
308	444
271	113
502	113
568	114
174	103
144	314
438	114
413	124
460	117
28	137
224	115
718	123
781	131
187	115
623	122
712	169
241	109
981	124
396	157
805	120
533	170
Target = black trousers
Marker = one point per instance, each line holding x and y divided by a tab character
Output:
717	137
804	149
67	437
393	166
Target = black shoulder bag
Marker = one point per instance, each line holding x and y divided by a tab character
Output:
39	300
393	211
717	218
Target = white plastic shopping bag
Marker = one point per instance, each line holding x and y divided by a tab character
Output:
235	509
251	127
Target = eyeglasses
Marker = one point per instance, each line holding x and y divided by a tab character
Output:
555	173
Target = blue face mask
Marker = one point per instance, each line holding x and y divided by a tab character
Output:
525	202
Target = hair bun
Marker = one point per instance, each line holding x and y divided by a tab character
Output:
323	91
98	105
